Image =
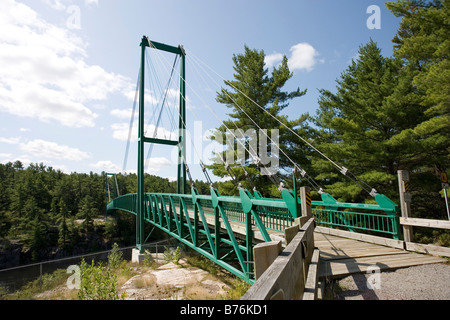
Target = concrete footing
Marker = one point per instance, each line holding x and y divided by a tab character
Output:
136	256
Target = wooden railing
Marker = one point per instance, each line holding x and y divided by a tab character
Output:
293	273
408	222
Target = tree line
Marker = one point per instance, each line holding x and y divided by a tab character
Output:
46	209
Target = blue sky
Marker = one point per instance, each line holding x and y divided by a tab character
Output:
69	68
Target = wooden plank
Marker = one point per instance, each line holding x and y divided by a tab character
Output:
428	249
310	292
362	237
344	267
264	254
341	257
333	247
349	244
290	233
354	254
430	223
286	272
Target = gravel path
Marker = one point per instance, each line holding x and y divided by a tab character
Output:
426	282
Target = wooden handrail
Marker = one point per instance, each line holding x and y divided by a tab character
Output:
285	278
430	223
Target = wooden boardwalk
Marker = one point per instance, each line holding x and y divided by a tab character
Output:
340	257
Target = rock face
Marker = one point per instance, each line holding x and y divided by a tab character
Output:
10	254
173	282
13	253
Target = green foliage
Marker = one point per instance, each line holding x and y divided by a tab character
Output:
249	96
386	114
43	207
97	283
48	281
423	43
171	255
115	257
358	125
238	287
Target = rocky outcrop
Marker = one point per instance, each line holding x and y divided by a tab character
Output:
10	254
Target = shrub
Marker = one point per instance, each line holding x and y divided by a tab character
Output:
115	258
172	255
97	283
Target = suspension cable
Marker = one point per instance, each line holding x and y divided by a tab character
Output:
343	170
195	149
208	178
304	174
125	160
150	150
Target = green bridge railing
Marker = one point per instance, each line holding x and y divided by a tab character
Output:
197	221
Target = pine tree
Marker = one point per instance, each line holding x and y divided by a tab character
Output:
63	227
87	212
250	97
423	42
360	123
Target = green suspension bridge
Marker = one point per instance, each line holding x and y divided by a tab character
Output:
207	223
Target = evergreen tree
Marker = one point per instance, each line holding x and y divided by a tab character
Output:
359	124
423	42
63	227
37	238
253	96
87	212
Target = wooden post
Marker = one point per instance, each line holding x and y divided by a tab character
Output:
305	196
264	254
405	202
291	232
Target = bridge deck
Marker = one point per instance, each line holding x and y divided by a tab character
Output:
340	257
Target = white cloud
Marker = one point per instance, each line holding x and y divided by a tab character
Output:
61	167
303	57
59	4
121	131
55	4
273	59
10	140
51	150
122	113
5	155
107	166
44	73
91	2
154	165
